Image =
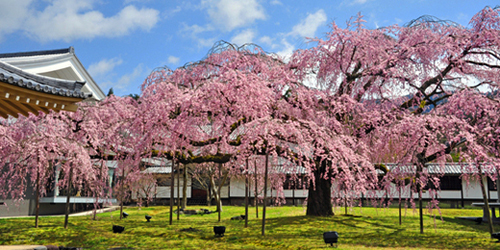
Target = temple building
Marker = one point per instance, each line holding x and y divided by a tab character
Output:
43	80
36	81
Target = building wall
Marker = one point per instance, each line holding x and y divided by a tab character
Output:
163	192
471	192
10	208
237	189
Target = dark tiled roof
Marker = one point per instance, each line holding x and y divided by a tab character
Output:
38	53
49	85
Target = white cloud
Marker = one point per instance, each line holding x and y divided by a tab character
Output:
69	20
122	84
173	60
206	42
353	2
276	2
231	14
130	1
194	32
103	67
12	15
308	26
266	40
125	80
243	37
287	50
196	29
172	12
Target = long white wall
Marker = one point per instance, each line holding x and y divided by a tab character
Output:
164	192
470	192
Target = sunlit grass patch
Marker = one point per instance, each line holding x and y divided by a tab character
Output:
286	228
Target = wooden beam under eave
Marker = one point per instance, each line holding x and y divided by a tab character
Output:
37	95
4	113
11	110
71	107
31	108
28	96
20	107
44	109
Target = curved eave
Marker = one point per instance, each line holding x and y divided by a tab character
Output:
41	62
15	100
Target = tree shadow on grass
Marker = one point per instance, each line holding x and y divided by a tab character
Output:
353	222
473	225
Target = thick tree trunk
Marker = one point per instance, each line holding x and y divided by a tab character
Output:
66	212
319	200
37	198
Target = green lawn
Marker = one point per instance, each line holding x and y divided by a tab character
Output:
286	228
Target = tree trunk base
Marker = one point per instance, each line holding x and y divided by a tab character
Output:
319	201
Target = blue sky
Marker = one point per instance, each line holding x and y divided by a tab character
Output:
121	41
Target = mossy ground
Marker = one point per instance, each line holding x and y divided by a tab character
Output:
286	228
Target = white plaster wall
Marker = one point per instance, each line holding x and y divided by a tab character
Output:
224	192
164	192
14	208
472	191
237	189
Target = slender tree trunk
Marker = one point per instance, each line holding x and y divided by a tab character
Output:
221	183
66	214
184	186
209	195
172	192
99	190
498	186
37	198
345	202
418	171
400	205
420	210
319	200
255	195
178	190
122	193
96	205
219	188
156	194
216	195
265	196
246	195
485	200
